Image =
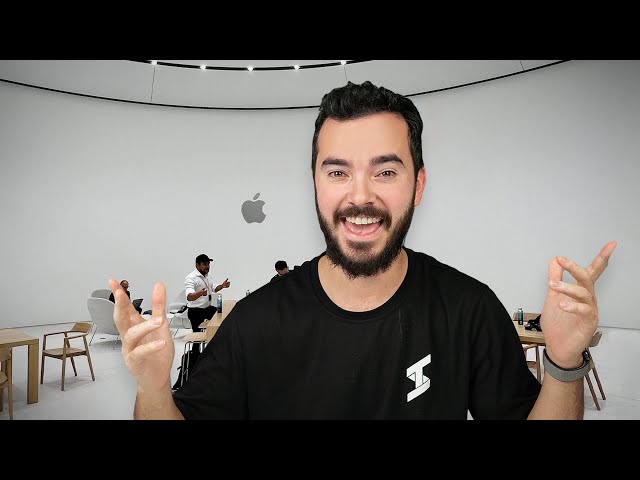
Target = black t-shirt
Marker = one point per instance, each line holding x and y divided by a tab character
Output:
277	276
441	345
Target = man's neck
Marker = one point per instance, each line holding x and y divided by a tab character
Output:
362	293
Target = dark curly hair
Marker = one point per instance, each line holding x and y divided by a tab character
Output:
360	100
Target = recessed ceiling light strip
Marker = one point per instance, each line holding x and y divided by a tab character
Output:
253	68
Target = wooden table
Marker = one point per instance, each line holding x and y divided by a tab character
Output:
15	338
530	337
211	326
535	338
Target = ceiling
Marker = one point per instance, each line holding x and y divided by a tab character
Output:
142	82
255	63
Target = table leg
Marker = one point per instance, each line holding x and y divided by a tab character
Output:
32	382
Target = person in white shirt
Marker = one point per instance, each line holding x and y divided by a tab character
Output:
200	289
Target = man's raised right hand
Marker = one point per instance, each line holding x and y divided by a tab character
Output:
147	345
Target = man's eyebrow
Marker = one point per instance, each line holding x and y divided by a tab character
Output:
375	161
391	158
334	161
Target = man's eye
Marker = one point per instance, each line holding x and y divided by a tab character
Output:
388	173
336	174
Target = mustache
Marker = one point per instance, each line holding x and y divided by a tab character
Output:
366	210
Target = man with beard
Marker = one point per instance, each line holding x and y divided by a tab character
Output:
370	329
200	289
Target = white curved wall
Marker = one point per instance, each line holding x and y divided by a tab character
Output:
528	167
518	169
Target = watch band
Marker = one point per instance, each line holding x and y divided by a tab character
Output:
564	374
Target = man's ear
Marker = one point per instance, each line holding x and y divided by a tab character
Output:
421	182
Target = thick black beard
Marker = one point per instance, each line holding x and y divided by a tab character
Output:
367	266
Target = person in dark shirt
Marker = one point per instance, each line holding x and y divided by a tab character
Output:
281	269
370	329
125	286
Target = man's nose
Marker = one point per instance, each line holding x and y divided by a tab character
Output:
362	191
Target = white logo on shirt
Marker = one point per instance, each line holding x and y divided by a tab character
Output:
414	372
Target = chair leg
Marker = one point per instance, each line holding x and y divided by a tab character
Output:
593	393
64	365
86	350
186	354
73	364
180	326
42	369
90	366
94	334
595	374
538	364
1	399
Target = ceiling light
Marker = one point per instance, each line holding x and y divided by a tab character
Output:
250	68
154	62
203	67
297	67
343	62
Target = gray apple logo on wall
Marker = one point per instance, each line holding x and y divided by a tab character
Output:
252	210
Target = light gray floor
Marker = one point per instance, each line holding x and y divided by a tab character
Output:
112	394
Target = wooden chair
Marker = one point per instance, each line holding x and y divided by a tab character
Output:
592	367
530	363
6	379
67	351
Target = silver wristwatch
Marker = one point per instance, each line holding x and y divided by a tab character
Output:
564	374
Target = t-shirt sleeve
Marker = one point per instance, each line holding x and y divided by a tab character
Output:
215	387
502	387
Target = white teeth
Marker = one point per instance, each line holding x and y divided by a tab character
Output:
363	220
